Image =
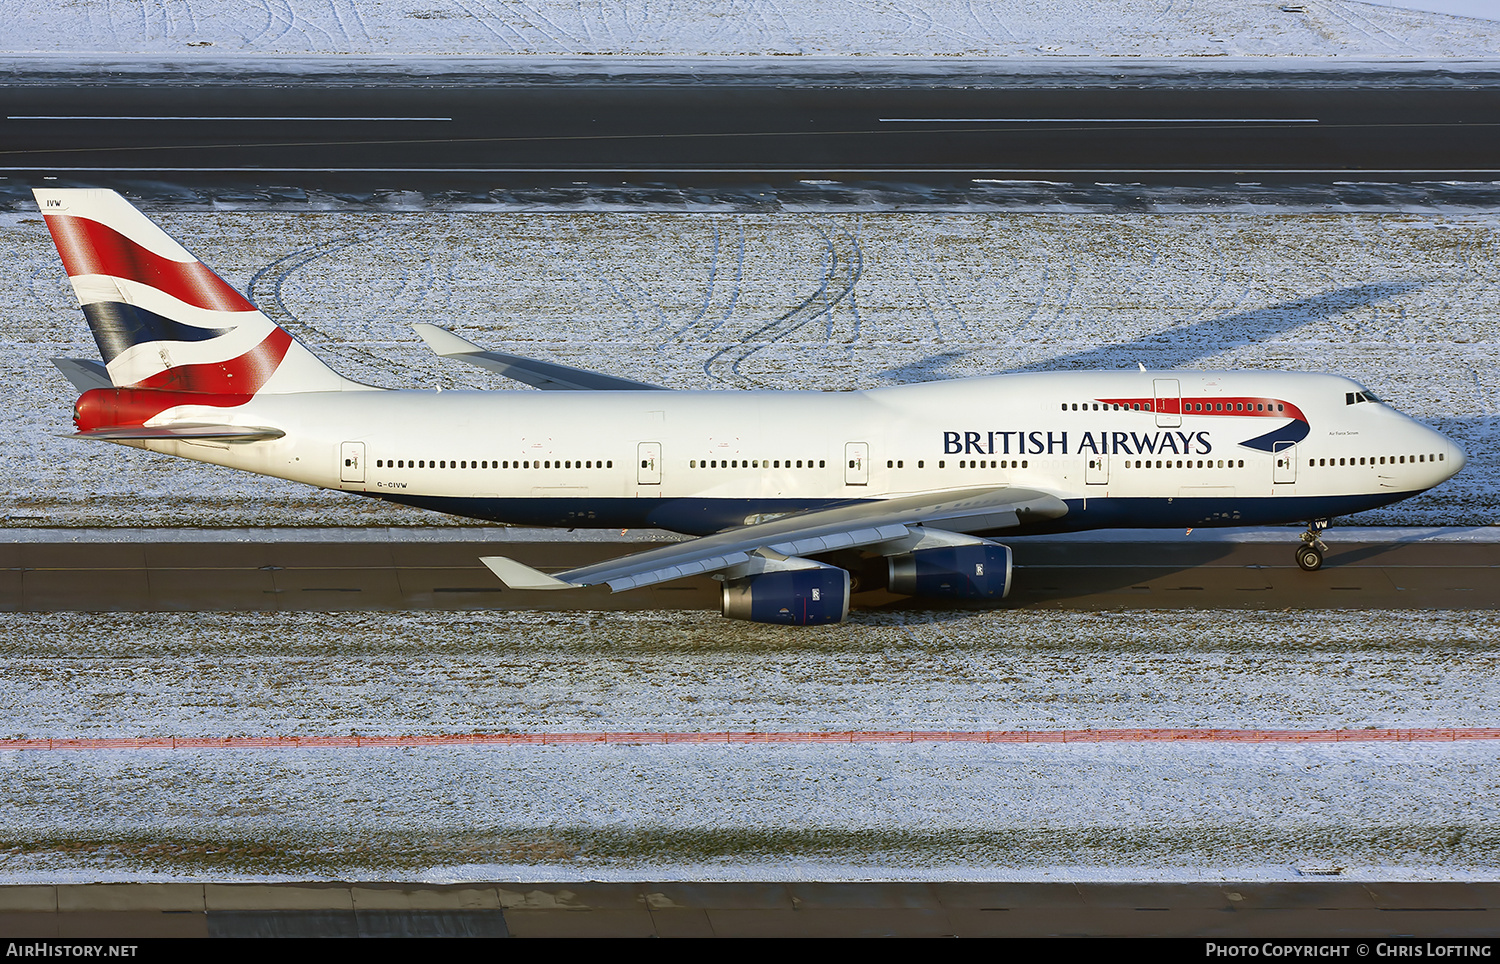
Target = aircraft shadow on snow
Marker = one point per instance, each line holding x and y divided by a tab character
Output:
1181	346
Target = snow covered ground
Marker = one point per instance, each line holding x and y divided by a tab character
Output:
948	812
181	29
1403	302
251	674
1163	811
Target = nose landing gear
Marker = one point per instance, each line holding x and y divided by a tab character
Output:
1310	553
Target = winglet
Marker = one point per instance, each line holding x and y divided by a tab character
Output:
518	576
443	342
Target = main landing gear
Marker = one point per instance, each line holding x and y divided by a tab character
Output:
1310	553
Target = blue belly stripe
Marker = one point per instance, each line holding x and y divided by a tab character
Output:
705	516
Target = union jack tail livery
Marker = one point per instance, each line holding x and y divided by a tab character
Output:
170	331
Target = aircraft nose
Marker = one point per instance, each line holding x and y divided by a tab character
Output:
1451	454
1456	458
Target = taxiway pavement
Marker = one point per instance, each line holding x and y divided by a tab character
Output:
347	570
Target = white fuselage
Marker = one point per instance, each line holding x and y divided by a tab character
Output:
1121	448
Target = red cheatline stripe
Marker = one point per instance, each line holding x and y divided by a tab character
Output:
1173	405
88	247
1155	735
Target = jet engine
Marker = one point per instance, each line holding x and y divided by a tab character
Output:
979	571
810	596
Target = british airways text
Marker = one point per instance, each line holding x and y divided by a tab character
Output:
1056	443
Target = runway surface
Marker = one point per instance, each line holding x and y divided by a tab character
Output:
1316	909
168	571
706	130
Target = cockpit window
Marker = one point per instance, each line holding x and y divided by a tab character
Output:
1354	398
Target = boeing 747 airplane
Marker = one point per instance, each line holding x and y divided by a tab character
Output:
920	479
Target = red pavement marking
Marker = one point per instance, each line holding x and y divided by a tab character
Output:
1160	735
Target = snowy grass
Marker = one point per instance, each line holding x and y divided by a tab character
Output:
1403	302
289	674
1209	29
958	811
968	812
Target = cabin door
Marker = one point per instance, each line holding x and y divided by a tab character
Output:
648	463
857	463
1096	469
352	454
1168	402
1285	467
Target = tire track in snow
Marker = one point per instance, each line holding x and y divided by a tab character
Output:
272	18
49	276
1052	317
1334	10
841	272
482	20
708	291
774	36
631	292
921	21
917	287
346	11
1366	25
934	266
540	23
265	292
695	329
994	17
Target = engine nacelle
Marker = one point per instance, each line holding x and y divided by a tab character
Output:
953	572
789	597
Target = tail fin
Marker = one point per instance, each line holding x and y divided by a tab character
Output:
161	318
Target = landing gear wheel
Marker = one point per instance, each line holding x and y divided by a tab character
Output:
1310	553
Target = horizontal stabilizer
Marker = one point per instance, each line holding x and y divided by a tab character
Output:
538	374
85	373
515	575
184	432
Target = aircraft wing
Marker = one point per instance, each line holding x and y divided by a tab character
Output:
538	374
895	521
